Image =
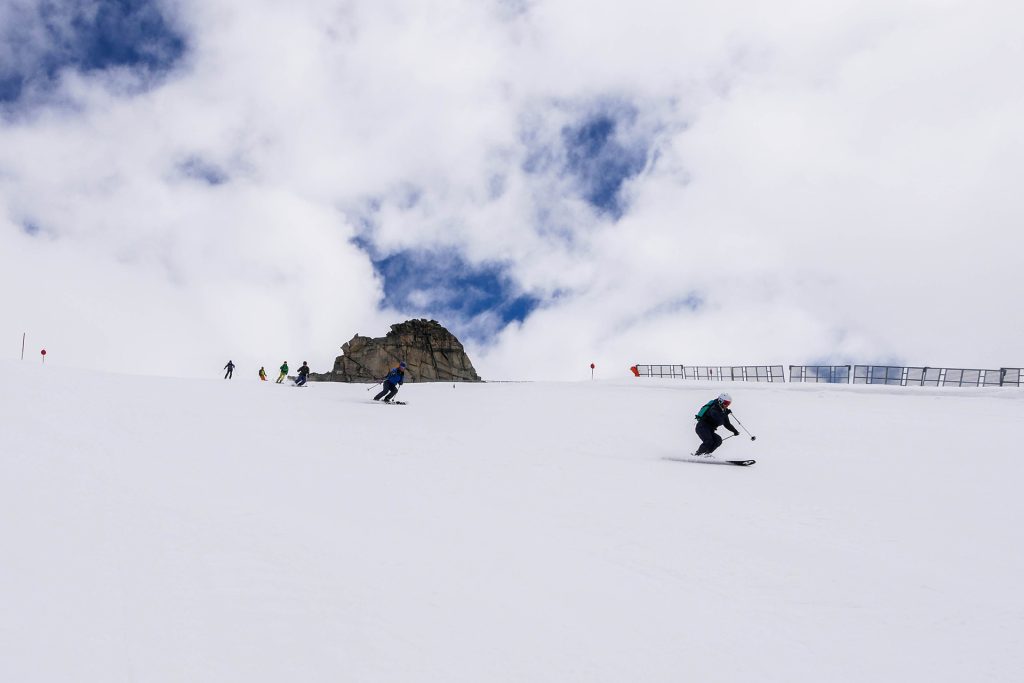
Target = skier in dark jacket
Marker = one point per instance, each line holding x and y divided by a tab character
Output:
303	374
391	383
230	367
712	415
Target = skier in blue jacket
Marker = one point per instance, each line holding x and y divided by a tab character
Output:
391	383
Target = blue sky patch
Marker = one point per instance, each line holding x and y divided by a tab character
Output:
600	161
10	87
597	152
87	37
443	285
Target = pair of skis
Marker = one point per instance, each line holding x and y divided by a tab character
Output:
714	461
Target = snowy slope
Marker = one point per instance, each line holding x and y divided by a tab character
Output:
161	529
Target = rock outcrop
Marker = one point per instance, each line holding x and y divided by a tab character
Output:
431	352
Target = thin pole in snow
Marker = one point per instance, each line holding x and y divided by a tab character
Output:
23	345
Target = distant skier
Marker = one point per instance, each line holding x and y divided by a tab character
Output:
284	373
303	375
391	383
263	374
711	416
230	367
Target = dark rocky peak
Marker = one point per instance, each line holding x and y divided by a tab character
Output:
431	352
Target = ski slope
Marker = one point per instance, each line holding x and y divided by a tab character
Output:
158	529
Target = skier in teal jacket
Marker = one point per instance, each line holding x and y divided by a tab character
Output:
711	416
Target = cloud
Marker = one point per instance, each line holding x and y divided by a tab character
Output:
560	182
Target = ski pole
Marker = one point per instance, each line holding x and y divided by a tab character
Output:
752	437
374	386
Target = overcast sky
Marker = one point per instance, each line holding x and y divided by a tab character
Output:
558	182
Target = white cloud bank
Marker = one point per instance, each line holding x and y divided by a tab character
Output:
830	180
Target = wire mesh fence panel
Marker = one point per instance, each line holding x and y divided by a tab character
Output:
992	378
891	375
730	373
885	374
970	378
830	374
961	377
923	376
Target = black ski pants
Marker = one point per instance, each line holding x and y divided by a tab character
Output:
389	389
227	375
709	440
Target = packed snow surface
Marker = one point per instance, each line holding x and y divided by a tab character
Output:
158	529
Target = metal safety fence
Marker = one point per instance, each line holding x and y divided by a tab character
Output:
895	375
905	376
830	374
723	373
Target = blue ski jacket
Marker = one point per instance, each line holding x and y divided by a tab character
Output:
396	376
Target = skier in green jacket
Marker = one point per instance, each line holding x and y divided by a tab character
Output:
284	373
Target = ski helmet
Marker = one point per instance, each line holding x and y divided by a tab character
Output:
402	364
724	398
